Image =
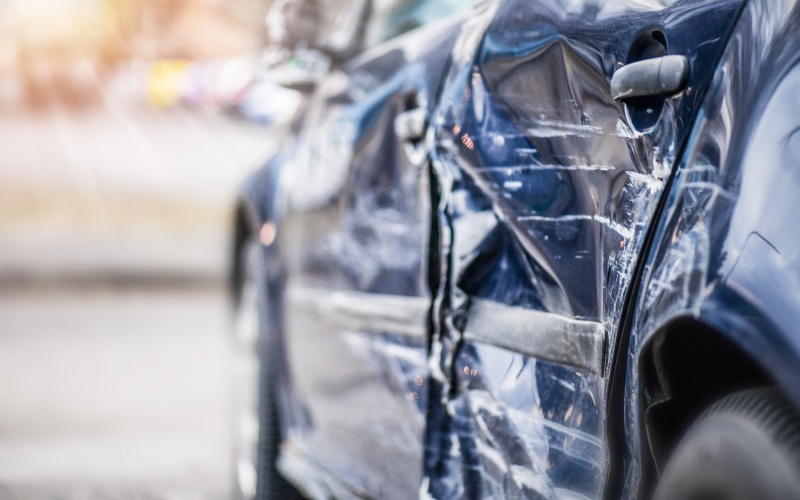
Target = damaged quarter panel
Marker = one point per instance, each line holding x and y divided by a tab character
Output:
727	249
546	191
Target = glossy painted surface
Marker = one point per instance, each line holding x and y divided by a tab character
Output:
354	239
727	249
547	193
535	426
540	196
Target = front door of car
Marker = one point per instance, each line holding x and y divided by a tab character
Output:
548	188
355	243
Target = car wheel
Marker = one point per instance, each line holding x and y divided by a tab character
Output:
745	446
256	435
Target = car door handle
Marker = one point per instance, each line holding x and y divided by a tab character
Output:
665	76
410	125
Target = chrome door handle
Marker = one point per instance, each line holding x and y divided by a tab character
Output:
665	76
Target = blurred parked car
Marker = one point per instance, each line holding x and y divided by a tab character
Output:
198	83
165	82
528	250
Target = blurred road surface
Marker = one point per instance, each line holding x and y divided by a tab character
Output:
113	351
114	394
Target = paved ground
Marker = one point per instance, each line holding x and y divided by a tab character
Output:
116	392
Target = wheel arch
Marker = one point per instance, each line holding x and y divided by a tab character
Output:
684	367
252	208
718	308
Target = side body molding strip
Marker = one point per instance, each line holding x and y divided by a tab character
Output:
537	334
533	333
364	312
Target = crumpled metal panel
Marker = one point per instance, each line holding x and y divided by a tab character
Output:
725	252
542	196
535	426
546	193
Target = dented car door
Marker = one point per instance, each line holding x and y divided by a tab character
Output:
355	239
547	188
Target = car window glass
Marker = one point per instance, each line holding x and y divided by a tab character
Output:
392	18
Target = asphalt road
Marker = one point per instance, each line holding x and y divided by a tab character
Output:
114	358
109	393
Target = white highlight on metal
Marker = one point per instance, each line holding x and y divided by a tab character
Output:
367	312
539	334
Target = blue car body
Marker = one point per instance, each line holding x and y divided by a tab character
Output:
535	297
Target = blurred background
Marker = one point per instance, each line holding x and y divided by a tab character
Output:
126	127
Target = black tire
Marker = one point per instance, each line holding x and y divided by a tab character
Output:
269	483
744	447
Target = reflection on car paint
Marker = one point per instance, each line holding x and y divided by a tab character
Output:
722	254
547	192
535	428
543	193
354	240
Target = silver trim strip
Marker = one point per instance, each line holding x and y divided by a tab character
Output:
367	312
538	334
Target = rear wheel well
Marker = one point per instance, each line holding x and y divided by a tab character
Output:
685	368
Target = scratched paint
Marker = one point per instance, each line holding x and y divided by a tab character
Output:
723	253
547	190
540	191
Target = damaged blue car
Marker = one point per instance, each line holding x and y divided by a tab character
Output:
518	249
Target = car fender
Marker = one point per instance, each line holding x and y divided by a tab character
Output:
725	253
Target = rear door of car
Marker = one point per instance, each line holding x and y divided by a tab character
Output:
548	188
